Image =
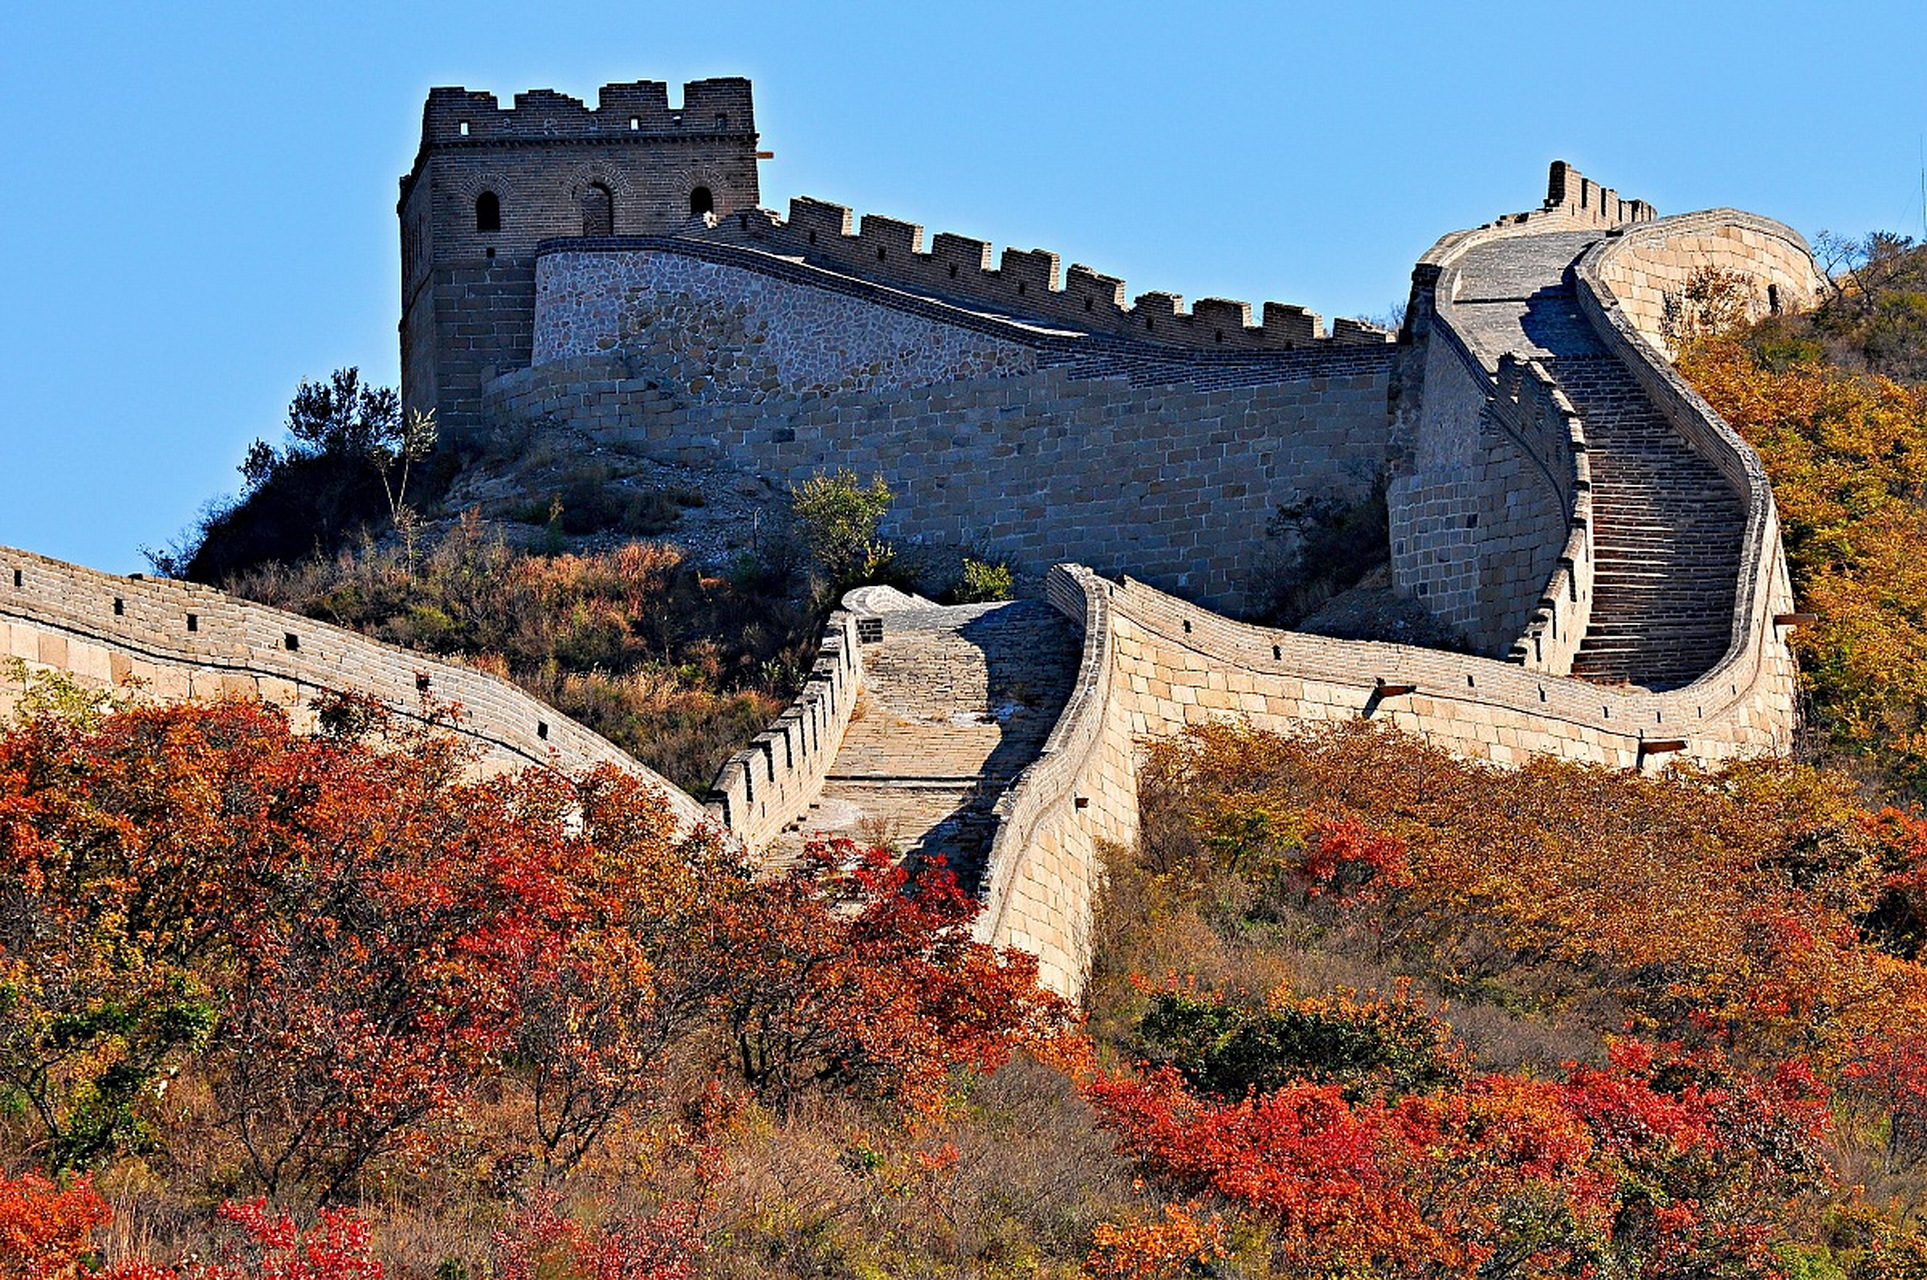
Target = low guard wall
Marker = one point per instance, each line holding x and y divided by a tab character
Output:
1756	651
772	782
1154	664
1044	864
174	641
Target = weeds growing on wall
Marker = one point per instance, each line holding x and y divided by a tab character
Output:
1318	547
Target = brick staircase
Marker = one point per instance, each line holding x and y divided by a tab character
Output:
1667	528
956	701
1666	537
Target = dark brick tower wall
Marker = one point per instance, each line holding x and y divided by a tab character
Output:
630	166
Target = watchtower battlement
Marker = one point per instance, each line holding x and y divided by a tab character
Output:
455	117
490	183
1025	282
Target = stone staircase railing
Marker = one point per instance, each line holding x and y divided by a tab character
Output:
773	781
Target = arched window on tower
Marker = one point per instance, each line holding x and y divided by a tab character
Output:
598	211
701	202
488	212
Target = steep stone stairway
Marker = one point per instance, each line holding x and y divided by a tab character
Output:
955	702
1667	528
1666	537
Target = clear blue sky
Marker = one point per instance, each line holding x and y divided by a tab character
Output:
199	205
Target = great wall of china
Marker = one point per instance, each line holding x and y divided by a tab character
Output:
1606	544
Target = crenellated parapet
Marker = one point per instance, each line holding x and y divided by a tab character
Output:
1578	197
771	783
639	111
1030	283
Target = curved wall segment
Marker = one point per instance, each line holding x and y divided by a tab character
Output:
174	641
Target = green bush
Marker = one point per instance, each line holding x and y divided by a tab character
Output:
981	583
837	518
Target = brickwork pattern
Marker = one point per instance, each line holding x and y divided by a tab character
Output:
1650	271
1163	462
1025	283
174	641
1154	664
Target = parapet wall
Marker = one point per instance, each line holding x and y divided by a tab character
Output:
1573	194
1651	269
1538	418
1044	864
1028	283
1489	517
1762	593
173	641
772	782
1155	665
457	117
997	437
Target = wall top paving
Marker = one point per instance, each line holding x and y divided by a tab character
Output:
182	624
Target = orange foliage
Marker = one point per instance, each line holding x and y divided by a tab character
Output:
46	1230
1180	1242
1847	454
1738	905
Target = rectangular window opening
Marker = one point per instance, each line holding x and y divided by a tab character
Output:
193	622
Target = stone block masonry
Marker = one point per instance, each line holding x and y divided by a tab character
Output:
489	183
770	784
997	435
1155	665
173	641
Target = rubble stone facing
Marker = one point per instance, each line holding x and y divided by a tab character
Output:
168	641
997	435
743	338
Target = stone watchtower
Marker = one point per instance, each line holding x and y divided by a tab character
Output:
489	184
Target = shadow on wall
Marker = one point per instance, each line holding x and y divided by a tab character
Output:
1029	656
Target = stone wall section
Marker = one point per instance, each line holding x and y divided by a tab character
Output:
1650	268
1541	424
1155	664
468	290
1045	862
729	335
1762	595
1024	283
171	641
771	783
1486	522
997	436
